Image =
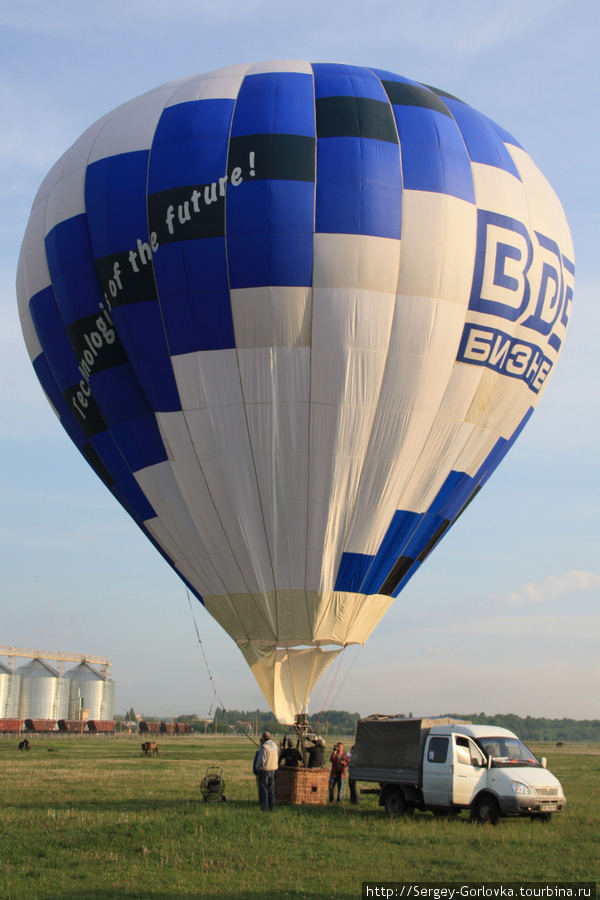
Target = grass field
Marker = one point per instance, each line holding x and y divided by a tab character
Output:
89	817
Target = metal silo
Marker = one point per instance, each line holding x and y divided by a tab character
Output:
10	687
42	692
95	690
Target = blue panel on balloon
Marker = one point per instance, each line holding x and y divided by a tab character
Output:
141	327
211	320
401	527
118	393
262	206
263	219
127	224
111	456
368	209
253	264
73	286
193	320
352	572
130	496
189	161
158	382
275	103
140	442
336	80
483	143
462	488
338	209
115	202
53	338
428	526
362	160
505	136
68	250
193	120
359	187
117	220
500	449
433	153
205	264
445	493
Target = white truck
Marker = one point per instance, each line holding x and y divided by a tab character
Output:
447	765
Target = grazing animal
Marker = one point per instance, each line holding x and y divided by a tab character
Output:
149	748
24	745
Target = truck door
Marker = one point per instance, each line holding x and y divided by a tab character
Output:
437	771
470	770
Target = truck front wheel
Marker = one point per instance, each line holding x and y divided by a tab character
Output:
485	810
395	804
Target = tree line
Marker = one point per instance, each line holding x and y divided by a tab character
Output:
255	721
334	721
342	722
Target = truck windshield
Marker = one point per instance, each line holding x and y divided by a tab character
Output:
506	751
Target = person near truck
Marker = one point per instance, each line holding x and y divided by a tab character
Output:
339	764
265	766
351	781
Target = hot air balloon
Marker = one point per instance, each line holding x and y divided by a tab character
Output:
294	315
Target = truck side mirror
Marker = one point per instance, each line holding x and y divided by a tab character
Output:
489	761
544	762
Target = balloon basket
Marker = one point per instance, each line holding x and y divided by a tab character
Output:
302	786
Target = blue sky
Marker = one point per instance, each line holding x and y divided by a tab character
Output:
504	616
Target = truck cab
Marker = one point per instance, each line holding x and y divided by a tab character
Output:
489	771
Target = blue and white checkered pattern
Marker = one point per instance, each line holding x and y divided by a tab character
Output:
294	315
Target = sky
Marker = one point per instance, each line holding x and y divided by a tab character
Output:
504	617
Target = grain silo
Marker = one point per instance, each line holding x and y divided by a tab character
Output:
10	687
43	694
90	690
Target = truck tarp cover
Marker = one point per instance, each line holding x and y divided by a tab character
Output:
392	741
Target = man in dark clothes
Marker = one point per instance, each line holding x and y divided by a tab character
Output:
291	756
316	754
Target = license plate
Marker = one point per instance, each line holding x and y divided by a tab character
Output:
549	807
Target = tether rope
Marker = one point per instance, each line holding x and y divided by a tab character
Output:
212	681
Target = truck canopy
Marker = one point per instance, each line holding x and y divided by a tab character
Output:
394	742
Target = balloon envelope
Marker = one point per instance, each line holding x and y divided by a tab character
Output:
294	315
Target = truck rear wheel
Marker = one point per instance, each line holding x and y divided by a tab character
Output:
485	810
395	803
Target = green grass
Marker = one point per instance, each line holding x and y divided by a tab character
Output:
91	818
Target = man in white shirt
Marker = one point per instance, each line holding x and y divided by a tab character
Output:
266	764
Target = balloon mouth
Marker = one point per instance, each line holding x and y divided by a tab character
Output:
294	636
287	674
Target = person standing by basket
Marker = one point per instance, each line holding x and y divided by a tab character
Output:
265	766
339	764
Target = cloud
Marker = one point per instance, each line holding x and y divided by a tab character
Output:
552	587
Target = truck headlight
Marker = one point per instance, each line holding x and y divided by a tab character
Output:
520	788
